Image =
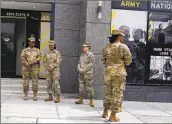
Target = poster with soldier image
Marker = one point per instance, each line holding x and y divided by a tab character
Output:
161	68
160	28
135	38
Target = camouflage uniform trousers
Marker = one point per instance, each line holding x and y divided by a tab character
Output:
26	73
85	84
114	90
53	85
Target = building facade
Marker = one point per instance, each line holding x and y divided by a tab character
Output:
72	23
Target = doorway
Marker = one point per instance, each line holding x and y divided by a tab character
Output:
18	23
20	38
8	50
13	37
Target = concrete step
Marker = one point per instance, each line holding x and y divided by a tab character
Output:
20	93
40	94
41	82
15	87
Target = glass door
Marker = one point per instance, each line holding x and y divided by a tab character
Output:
20	38
8	52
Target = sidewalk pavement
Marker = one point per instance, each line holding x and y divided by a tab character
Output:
16	110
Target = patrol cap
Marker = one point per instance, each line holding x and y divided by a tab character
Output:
31	39
86	44
118	33
52	42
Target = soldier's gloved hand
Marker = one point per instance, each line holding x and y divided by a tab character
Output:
27	65
30	62
81	70
49	68
34	62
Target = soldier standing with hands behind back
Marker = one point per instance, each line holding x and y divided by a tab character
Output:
30	58
116	56
85	69
52	60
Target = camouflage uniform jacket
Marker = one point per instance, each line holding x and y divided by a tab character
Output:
52	59
115	57
30	58
86	62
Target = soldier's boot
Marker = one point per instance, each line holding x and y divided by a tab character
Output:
57	99
105	113
91	102
113	117
35	97
25	96
120	110
50	98
80	101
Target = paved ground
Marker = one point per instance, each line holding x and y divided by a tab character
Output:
16	110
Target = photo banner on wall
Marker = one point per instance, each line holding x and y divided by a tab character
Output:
160	29
135	30
159	44
160	65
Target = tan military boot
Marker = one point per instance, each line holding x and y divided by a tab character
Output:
113	117
91	103
35	97
50	98
25	96
105	113
80	101
57	99
120	110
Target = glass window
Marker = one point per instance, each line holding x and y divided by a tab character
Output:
135	29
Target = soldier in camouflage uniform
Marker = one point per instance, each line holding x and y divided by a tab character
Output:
85	69
30	58
52	60
116	56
